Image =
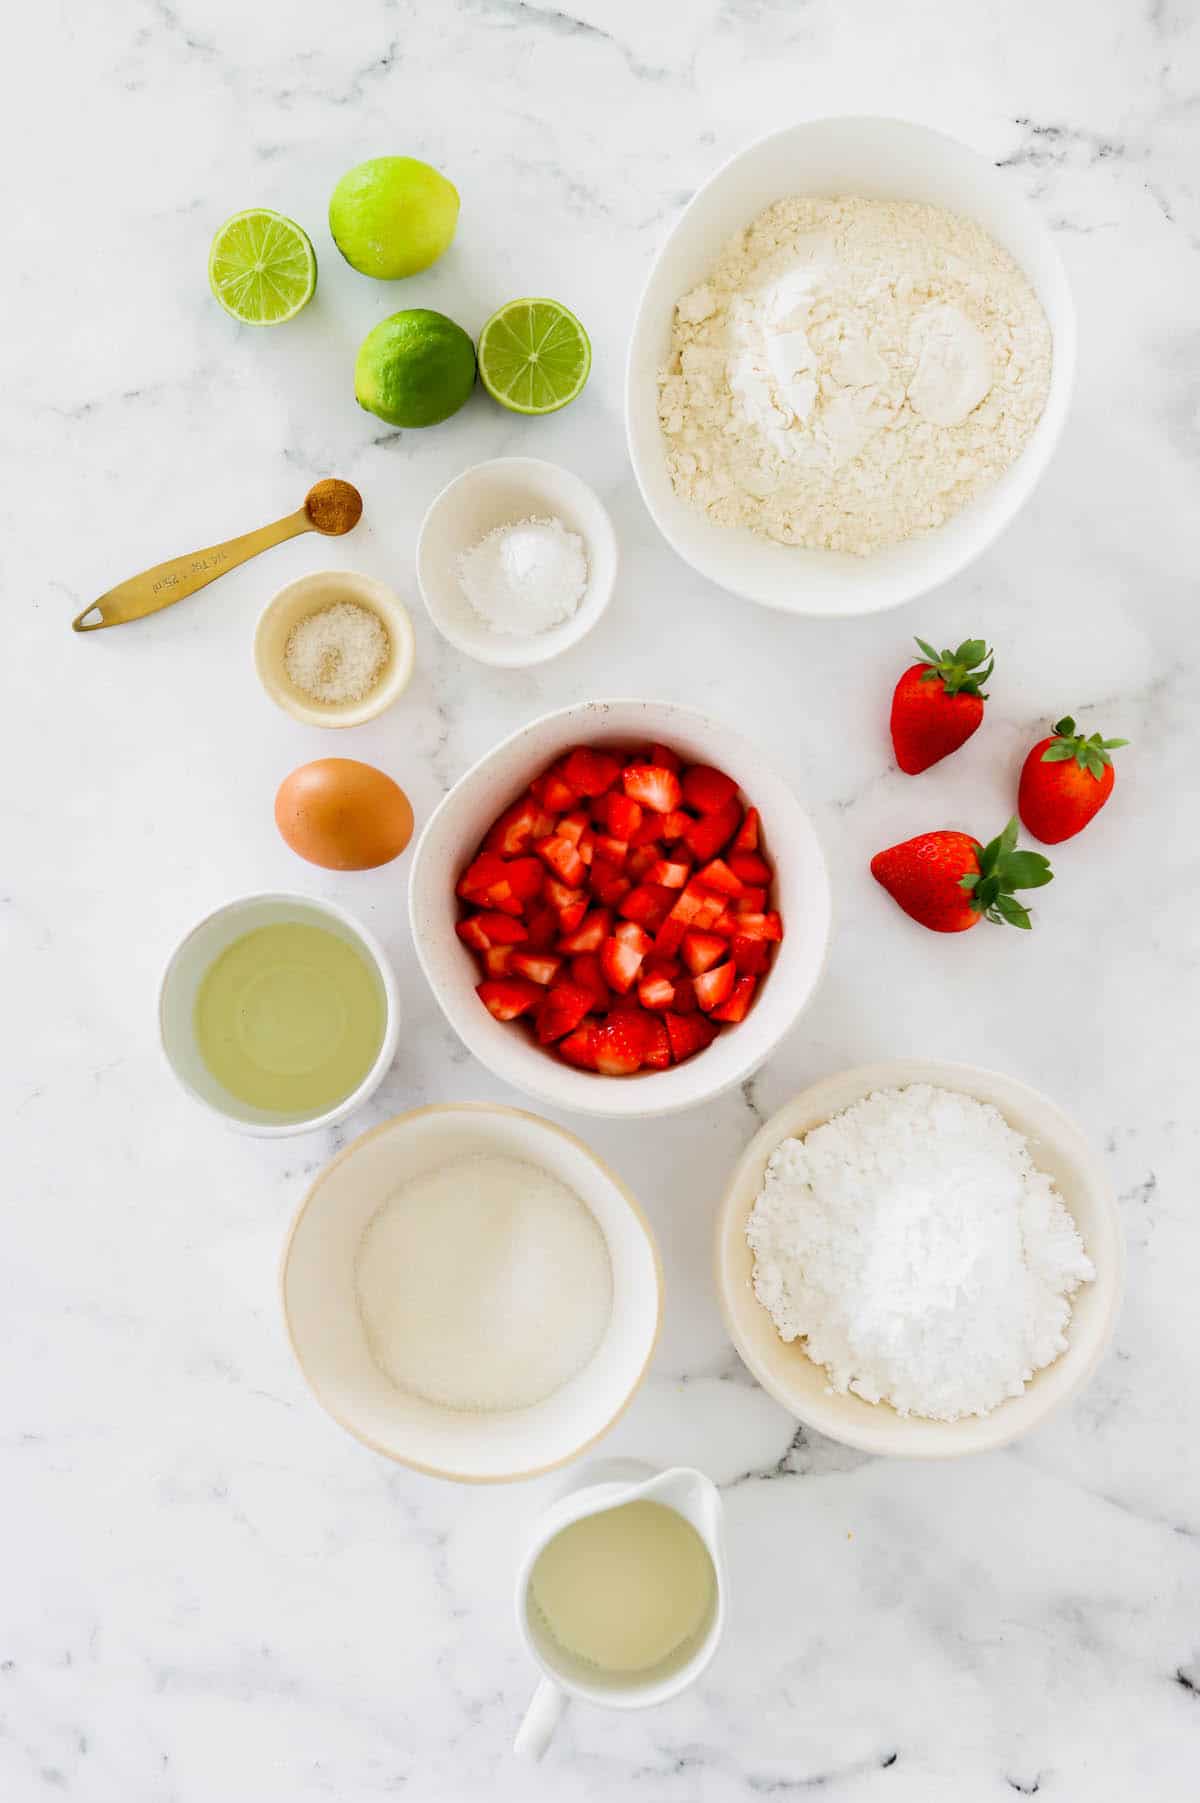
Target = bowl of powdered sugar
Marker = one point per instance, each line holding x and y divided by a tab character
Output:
850	365
516	559
920	1259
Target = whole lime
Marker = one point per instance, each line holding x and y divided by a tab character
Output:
415	368
392	216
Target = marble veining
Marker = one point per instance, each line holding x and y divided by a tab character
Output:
208	1589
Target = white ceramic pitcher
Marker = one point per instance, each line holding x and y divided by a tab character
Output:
607	1485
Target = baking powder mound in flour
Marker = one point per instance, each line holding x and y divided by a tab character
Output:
852	373
914	1246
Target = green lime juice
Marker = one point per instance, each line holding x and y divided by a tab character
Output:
290	1018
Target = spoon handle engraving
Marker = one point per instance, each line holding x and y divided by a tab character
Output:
179	576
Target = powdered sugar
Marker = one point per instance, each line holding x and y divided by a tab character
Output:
852	372
915	1246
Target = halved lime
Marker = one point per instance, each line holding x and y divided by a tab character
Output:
262	267
534	356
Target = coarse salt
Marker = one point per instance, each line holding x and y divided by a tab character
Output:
337	654
913	1244
525	577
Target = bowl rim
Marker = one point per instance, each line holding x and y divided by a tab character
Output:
548	1094
387	1045
506	1111
371	593
1035	456
898	1073
516	652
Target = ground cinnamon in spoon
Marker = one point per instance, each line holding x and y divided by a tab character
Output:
333	506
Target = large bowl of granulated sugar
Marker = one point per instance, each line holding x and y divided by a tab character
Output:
934	1273
850	365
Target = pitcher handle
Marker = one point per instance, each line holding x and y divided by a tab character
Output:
541	1719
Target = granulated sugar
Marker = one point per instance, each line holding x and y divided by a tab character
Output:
484	1285
914	1245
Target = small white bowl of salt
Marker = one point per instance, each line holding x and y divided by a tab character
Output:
516	559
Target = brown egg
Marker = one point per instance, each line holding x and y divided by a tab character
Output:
343	815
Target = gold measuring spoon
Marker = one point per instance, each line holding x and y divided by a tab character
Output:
331	507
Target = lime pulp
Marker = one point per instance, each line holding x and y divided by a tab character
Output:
261	267
534	356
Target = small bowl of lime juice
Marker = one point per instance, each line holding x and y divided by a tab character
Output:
279	1013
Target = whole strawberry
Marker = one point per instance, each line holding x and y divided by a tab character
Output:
1065	781
938	704
948	881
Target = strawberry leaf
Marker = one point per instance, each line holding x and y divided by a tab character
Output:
962	672
1002	868
1091	754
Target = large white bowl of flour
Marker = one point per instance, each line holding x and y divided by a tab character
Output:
784	1368
874	159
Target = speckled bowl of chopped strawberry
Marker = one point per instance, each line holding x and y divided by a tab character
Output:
648	902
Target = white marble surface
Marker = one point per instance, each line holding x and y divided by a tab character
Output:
206	1589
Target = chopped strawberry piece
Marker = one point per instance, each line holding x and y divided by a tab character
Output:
553	791
542	922
579	1047
621	1043
706	836
720	877
708	790
685	996
573	826
620	814
714	986
539	967
507	997
751	901
750	867
648	904
525	876
497	959
656	992
653	786
562	896
758	926
667	759
670	875
688	1034
621	955
675	825
610	889
670	933
746	837
650	831
706	907
657	1055
562	1010
643	859
472	933
609	851
488	868
586	970
737	1007
590	934
702	950
517	826
559	855
750	956
591	772
655	966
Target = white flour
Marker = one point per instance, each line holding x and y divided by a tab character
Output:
851	373
485	1284
913	1243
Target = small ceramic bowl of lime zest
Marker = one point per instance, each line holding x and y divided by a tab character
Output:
305	1036
504	492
